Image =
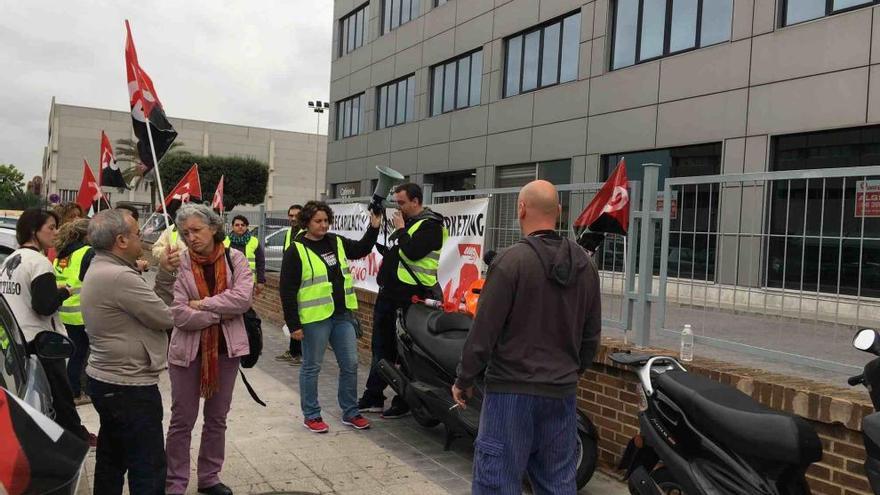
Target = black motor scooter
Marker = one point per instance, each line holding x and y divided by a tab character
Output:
698	436
868	340
429	343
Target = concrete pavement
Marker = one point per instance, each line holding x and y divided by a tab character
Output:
269	451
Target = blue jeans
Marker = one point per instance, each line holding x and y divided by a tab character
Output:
338	330
526	433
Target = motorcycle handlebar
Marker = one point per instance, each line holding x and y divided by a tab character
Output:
856	380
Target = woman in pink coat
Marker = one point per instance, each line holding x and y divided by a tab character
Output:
208	340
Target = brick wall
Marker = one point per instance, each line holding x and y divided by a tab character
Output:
608	394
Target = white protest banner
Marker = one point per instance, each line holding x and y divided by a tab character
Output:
460	259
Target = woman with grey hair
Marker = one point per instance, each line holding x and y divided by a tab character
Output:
213	289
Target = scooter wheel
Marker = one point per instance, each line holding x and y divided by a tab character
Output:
665	481
424	418
587	455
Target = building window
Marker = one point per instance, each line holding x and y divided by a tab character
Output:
648	29
796	11
352	30
350	116
464	180
396	13
456	83
693	228
438	3
504	207
347	190
68	195
817	229
543	56
396	102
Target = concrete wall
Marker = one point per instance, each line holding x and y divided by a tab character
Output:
75	133
767	80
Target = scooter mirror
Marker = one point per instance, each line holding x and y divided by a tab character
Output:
865	339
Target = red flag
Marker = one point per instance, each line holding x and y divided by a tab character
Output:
110	174
609	210
217	204
140	87
88	189
188	187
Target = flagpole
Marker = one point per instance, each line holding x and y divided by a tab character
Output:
624	299
158	175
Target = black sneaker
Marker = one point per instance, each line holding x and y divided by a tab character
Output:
397	410
367	405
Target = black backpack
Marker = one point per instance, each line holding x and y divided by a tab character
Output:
254	328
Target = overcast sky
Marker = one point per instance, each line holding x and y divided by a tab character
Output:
233	61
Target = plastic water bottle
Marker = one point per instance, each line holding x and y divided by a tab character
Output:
687	343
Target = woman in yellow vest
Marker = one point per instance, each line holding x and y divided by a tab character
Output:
242	239
318	298
72	260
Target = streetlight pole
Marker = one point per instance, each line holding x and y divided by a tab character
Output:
318	107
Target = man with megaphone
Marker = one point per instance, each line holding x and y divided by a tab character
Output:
408	269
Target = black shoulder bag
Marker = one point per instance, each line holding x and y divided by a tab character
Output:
254	328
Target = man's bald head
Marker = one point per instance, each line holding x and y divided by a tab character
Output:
539	206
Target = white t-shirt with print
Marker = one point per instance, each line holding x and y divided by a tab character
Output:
16	274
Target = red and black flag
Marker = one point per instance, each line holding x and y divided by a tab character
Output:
110	173
188	189
89	190
36	455
145	107
609	210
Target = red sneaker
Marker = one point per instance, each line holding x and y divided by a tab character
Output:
357	422
316	425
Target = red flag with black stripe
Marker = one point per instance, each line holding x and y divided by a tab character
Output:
609	210
36	455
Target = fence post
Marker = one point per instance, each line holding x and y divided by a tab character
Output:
261	228
642	317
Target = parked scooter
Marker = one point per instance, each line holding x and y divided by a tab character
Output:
429	343
868	340
698	436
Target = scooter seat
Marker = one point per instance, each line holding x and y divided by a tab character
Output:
440	335
739	423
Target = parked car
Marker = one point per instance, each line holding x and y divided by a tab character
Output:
273	245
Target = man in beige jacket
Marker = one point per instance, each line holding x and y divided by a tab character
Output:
127	324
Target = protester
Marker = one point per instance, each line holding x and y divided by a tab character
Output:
27	281
71	265
242	240
293	354
535	333
317	296
126	321
170	235
408	269
68	212
214	288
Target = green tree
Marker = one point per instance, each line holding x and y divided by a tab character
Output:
11	181
245	180
127	152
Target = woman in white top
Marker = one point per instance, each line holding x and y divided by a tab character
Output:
27	282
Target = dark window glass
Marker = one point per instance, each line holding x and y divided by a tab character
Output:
437	91
684	25
476	77
571	40
401	102
715	26
449	87
514	65
438	3
803	10
846	4
411	99
692	253
653	23
464	79
351	30
453	181
550	70
625	30
549	56
645	34
382	106
398	12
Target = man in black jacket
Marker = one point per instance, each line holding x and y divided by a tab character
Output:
408	269
535	333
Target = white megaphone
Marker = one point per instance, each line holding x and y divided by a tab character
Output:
388	178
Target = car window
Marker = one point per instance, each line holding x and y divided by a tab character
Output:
12	370
276	239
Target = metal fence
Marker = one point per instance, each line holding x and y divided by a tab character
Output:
781	265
